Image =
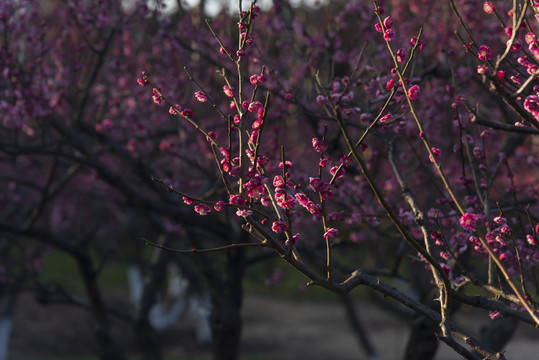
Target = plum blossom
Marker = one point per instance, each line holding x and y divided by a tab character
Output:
200	96
437	154
468	221
244	213
413	92
142	81
531	105
388	22
202	209
488	7
493	314
319	146
401	55
254	106
187	113
330	233
389	35
219	206
228	91
346	160
279	226
484	53
295	240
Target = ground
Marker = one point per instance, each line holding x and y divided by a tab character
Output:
274	328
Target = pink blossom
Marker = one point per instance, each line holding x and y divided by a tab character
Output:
254	106
388	22
437	154
302	199
488	7
531	105
330	233
401	55
385	118
157	99
530	239
142	81
240	53
314	208
340	172
516	46
319	146
389	35
236	199
413	92
529	38
287	164
326	193
187	113
212	135
228	91
279	226
478	152
265	201
468	221
219	206
254	80
200	96
493	314
278	181
346	160
483	69
322	100
316	184
295	240
174	110
324	162
484	53
188	201
244	213
202	209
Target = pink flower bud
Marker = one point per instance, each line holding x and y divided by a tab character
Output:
488	7
279	226
202	209
413	92
219	206
330	233
228	91
200	96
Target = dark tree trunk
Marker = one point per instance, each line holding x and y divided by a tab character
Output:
422	343
108	349
147	337
227	299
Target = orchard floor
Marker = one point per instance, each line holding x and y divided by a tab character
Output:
274	328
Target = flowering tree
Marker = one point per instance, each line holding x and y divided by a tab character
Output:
362	153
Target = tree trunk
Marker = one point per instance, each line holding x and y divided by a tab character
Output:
227	296
108	349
